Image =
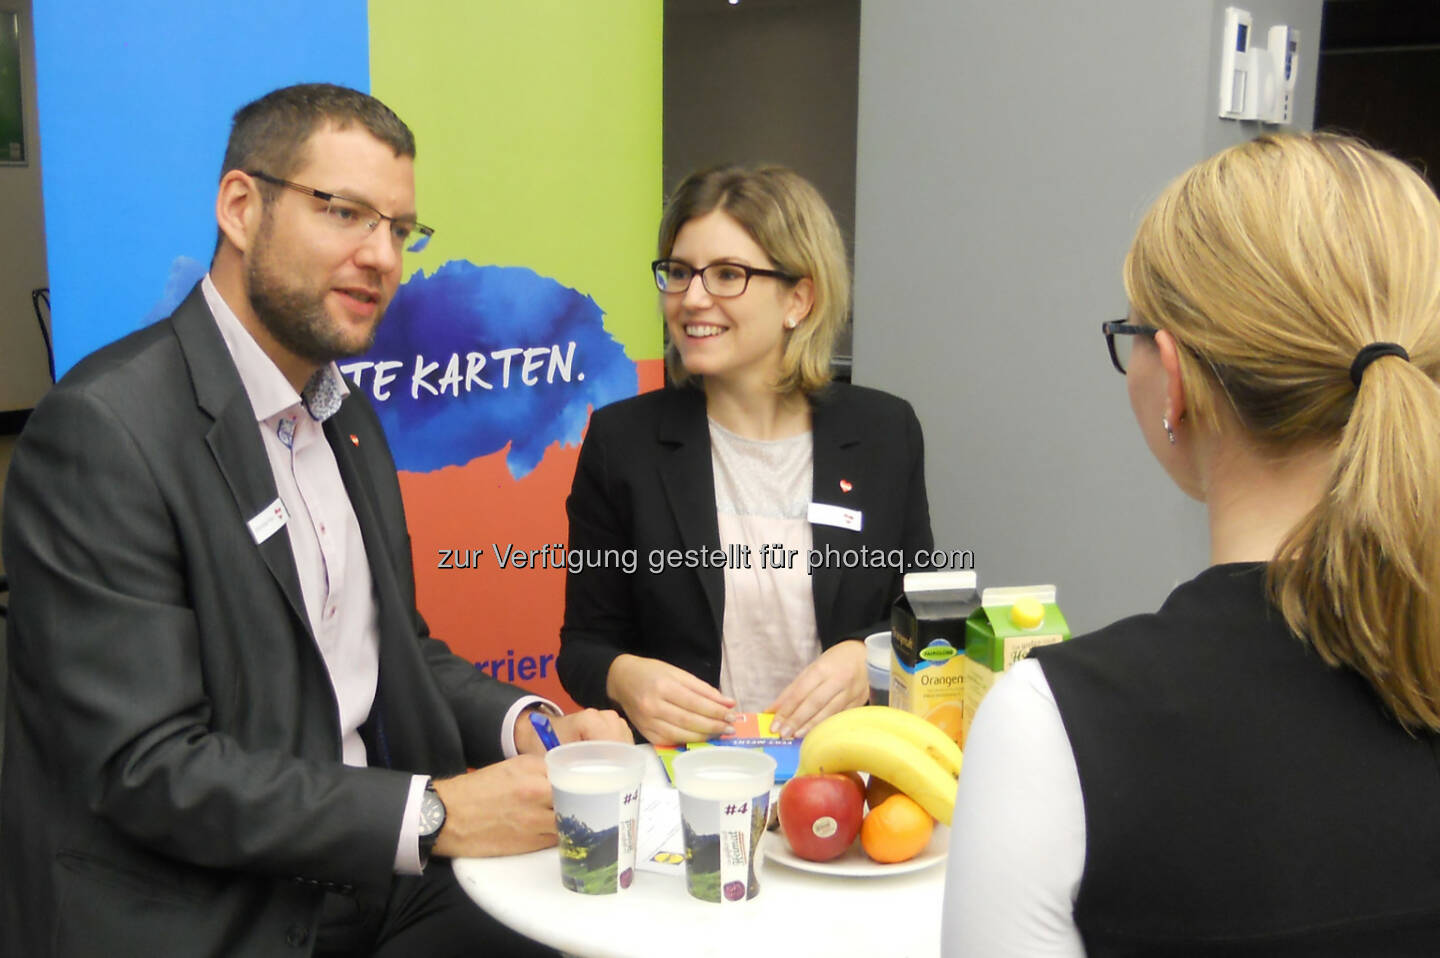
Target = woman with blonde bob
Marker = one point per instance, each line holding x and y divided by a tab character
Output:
1251	770
764	505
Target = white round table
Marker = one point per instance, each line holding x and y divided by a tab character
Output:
893	916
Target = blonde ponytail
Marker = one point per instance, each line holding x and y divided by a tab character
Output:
1274	264
1358	578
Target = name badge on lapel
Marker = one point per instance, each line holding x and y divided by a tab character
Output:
824	514
267	521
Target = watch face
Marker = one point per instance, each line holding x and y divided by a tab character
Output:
432	814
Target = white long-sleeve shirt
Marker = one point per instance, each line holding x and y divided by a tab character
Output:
1017	842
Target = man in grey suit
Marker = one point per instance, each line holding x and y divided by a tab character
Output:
229	731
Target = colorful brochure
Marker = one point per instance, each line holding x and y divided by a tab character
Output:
752	730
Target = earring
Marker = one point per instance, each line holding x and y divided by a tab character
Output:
789	324
1169	430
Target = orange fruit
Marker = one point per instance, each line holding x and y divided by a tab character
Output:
878	790
896	831
949	717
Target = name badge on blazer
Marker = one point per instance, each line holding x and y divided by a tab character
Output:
267	521
824	514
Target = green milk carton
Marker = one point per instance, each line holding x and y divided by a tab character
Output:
1009	623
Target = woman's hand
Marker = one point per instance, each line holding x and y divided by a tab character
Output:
833	682
668	704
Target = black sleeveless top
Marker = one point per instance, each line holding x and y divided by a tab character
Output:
1241	797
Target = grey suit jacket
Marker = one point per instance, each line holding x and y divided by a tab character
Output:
172	780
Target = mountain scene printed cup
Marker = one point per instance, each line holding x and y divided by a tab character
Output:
596	786
724	808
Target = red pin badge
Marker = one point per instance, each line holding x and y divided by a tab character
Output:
354	440
845	485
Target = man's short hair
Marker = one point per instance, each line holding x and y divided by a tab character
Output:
270	134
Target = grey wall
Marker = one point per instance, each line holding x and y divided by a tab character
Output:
1006	154
24	373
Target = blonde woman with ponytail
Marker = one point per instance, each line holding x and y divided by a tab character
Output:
1254	769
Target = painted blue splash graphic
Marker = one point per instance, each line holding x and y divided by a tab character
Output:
473	358
184	274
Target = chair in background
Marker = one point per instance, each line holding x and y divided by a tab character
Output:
40	299
5	592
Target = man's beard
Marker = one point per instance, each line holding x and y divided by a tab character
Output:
294	316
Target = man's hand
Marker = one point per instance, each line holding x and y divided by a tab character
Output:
667	704
501	809
833	682
586	725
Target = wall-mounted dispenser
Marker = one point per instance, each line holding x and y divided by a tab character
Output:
1257	83
1236	91
1277	86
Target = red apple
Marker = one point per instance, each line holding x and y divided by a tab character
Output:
820	815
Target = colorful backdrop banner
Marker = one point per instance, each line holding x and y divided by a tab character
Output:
538	128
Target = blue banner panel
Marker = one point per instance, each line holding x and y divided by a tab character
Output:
135	100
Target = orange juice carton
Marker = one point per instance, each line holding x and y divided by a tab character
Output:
927	632
1009	623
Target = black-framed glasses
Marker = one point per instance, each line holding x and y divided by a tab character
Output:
724	280
1121	348
357	217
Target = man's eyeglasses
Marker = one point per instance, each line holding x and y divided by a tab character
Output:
724	280
357	217
1121	347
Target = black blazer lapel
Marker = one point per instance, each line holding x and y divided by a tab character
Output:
234	438
837	465
687	473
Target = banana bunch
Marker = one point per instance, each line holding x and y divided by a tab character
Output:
902	748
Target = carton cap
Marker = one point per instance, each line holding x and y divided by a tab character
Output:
1027	613
934	595
1009	595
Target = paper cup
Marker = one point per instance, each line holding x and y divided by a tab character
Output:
877	666
724	808
596	786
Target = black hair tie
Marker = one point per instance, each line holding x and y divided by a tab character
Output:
1368	354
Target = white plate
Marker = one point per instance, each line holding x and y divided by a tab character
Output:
855	863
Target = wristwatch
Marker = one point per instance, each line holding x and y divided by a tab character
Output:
432	819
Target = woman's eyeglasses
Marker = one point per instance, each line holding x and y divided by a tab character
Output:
723	280
1117	337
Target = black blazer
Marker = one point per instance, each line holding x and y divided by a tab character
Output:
172	776
1241	796
645	482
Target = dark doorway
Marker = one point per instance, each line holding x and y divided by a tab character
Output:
1378	76
766	81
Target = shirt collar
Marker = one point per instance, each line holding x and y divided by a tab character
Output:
269	391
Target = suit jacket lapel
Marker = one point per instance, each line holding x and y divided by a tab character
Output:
373	530
380	737
362	500
687	473
399	733
837	460
234	437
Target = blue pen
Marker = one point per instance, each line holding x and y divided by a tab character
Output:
543	729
